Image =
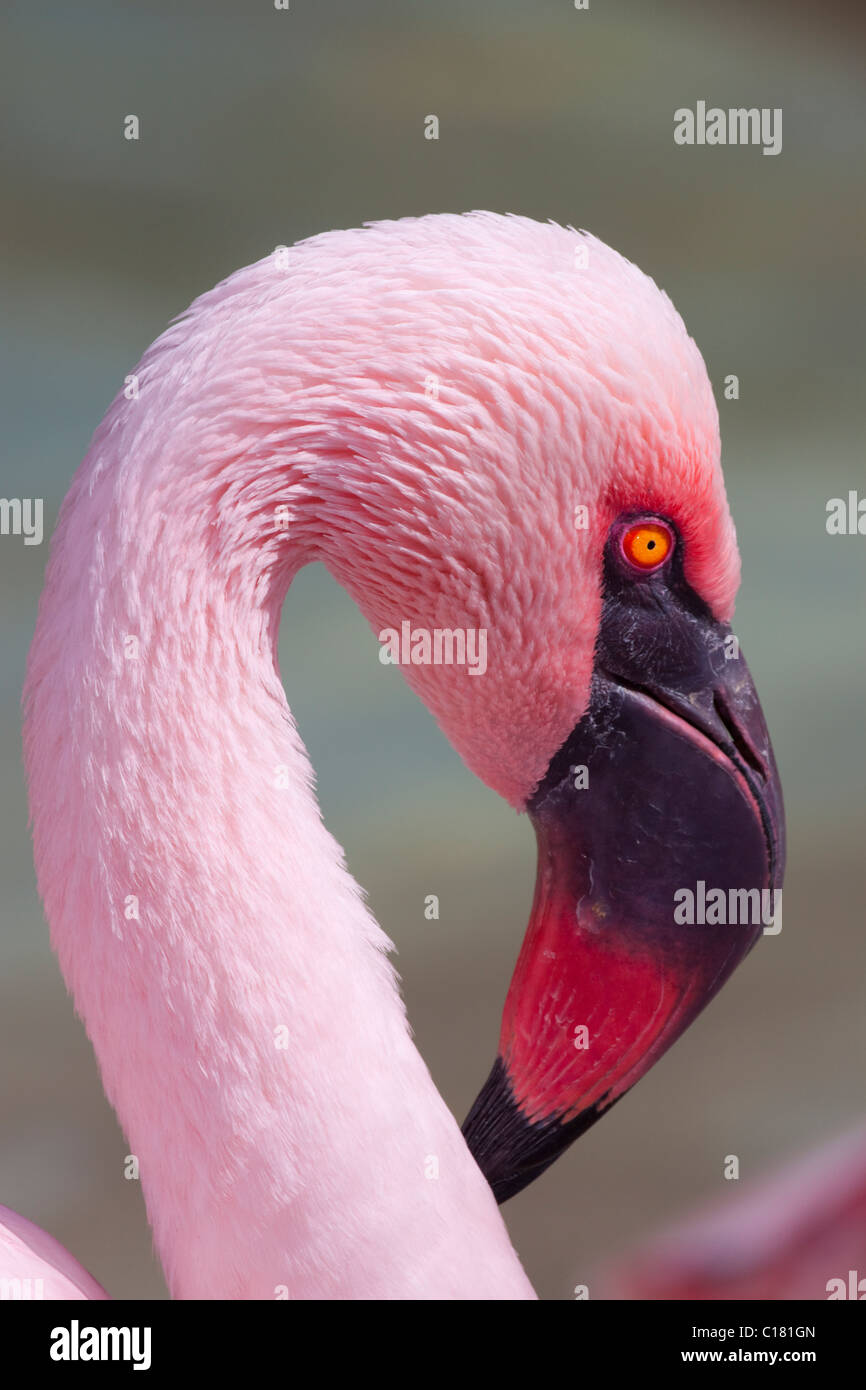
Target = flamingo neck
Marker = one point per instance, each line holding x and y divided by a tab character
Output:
237	992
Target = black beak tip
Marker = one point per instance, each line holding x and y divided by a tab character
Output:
511	1150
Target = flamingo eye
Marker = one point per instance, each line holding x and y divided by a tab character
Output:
647	544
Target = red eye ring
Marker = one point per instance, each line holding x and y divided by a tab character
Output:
646	544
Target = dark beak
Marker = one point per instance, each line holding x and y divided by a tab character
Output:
660	834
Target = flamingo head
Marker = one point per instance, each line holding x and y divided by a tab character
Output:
529	450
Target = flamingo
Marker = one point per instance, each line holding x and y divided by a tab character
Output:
479	424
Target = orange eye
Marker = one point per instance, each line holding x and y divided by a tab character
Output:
647	544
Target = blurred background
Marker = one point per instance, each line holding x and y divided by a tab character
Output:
259	127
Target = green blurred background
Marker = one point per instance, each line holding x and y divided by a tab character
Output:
259	127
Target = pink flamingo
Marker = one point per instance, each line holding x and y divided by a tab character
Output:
480	424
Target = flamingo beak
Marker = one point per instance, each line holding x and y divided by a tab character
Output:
660	834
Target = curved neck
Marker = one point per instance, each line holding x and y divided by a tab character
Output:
237	992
